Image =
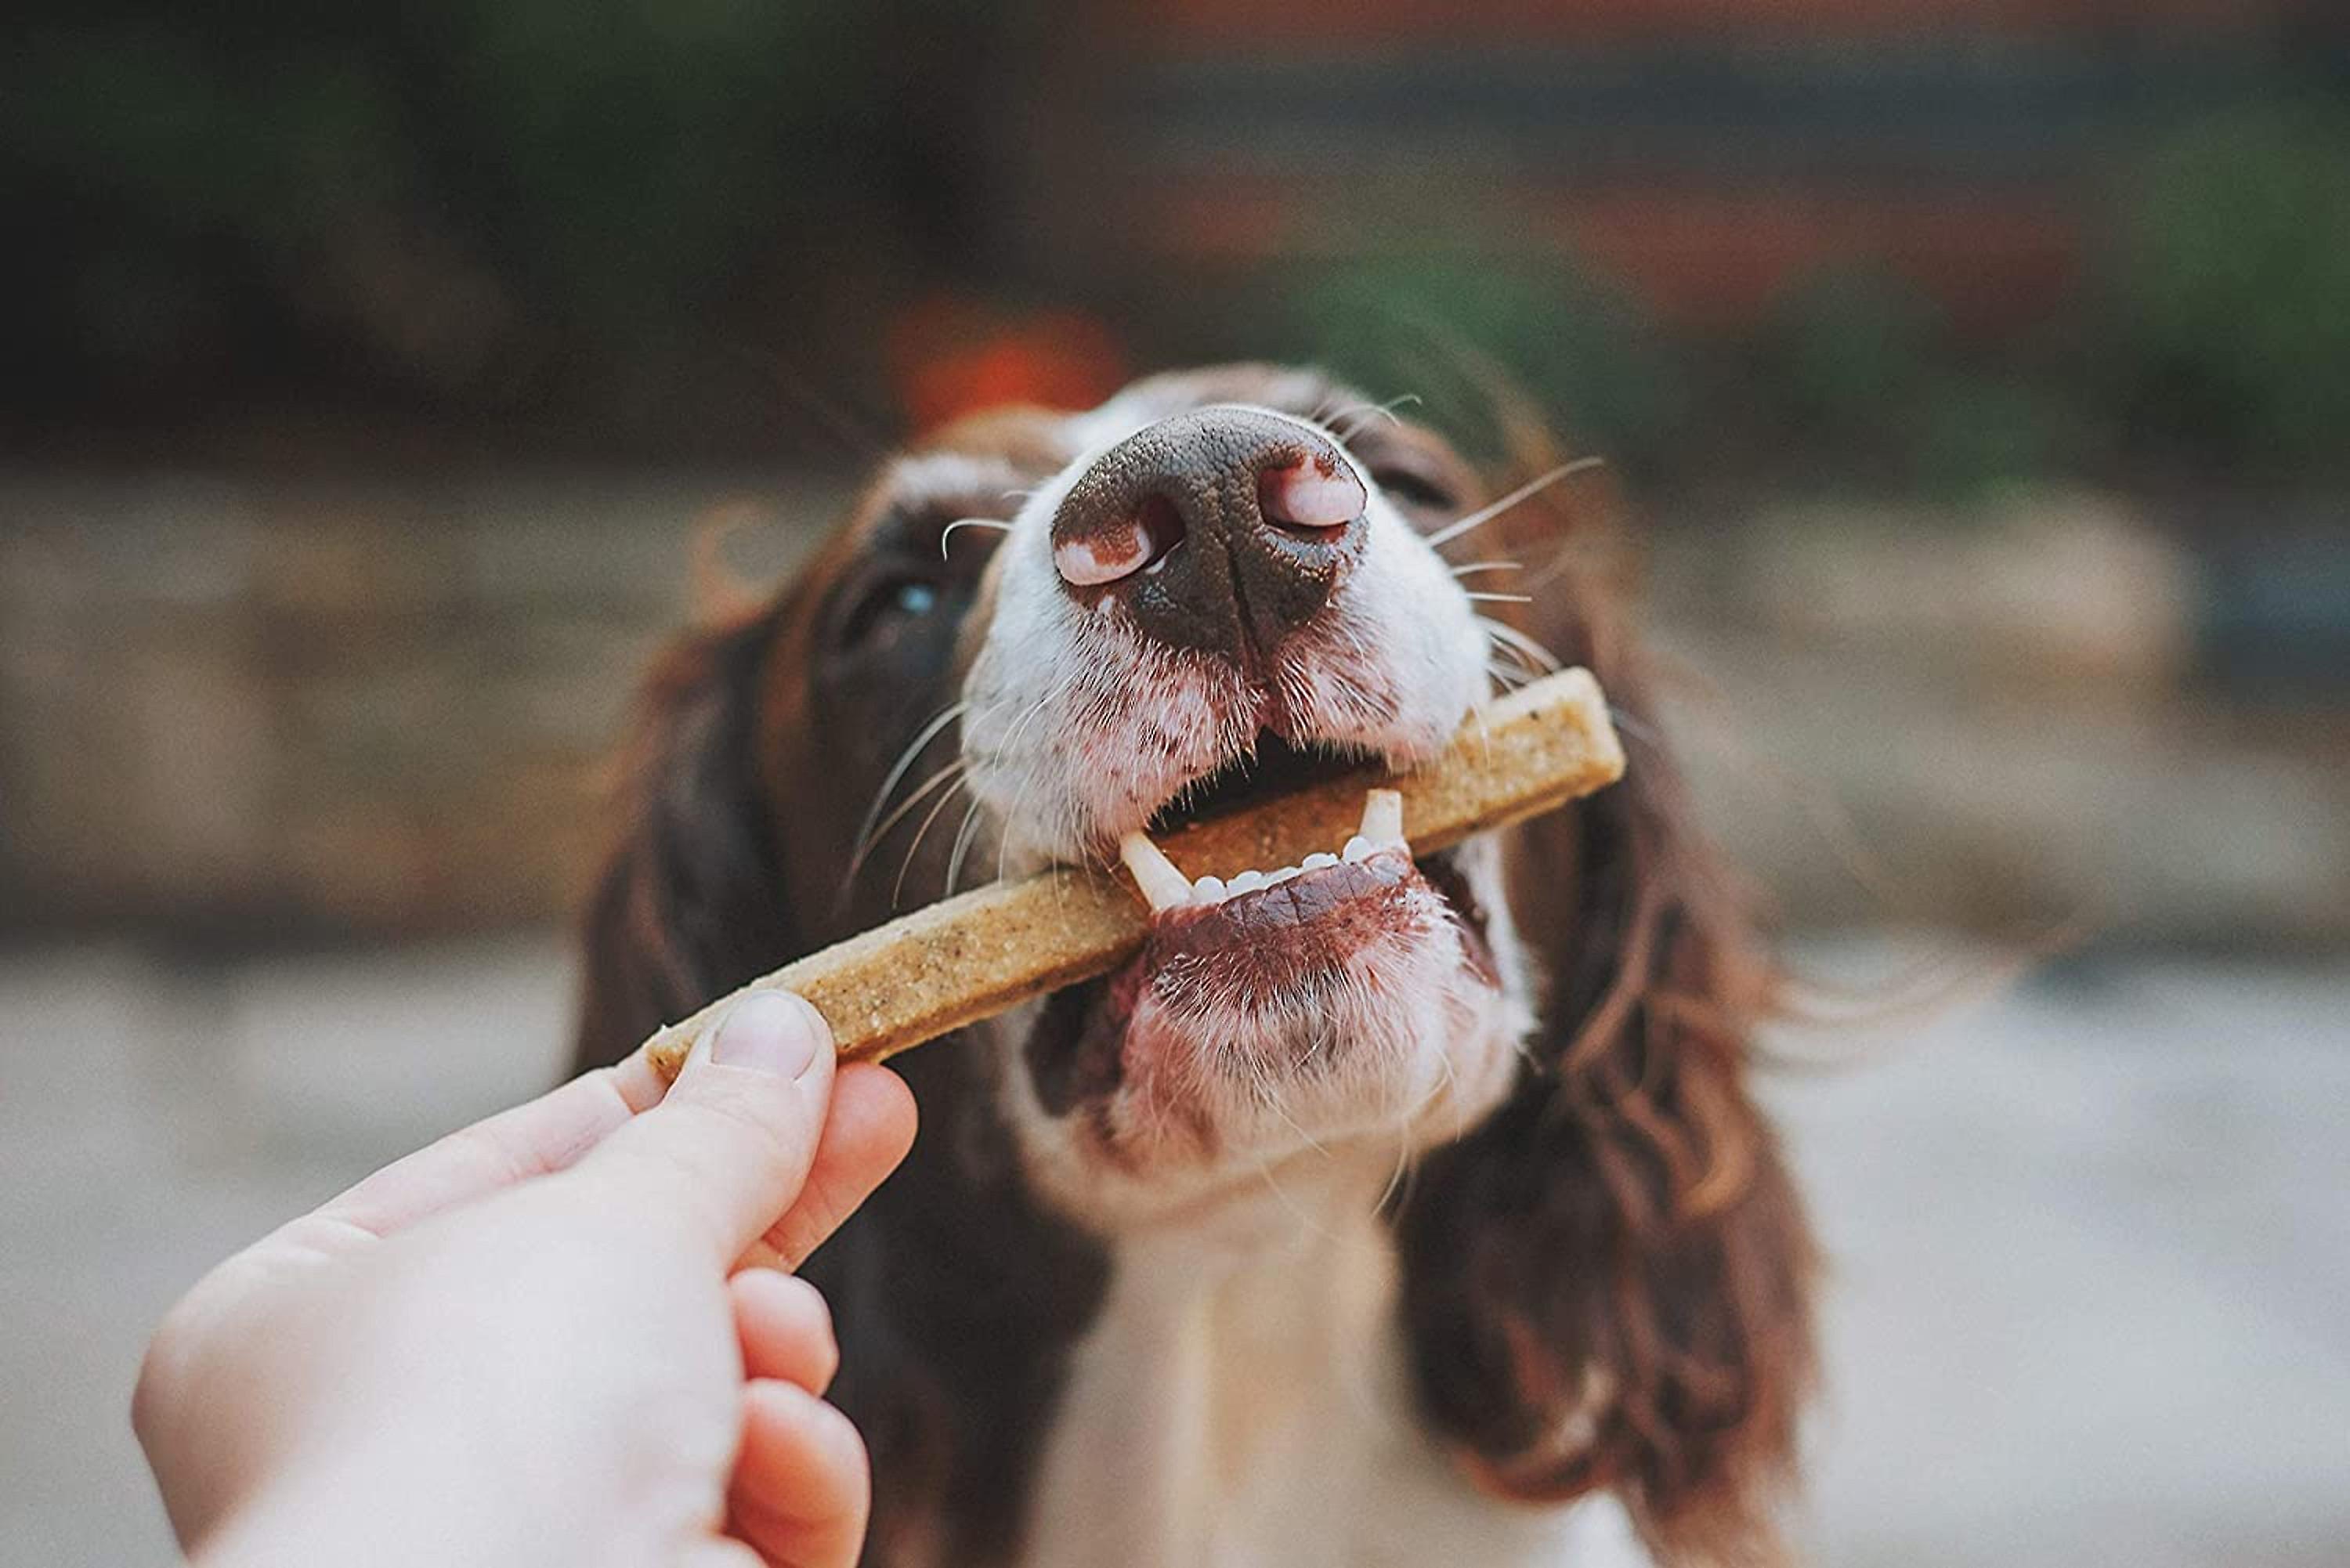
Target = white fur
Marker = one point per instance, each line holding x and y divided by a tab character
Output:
1242	1403
1241	1400
1418	1063
1070	708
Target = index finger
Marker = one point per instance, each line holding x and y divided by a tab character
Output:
537	1137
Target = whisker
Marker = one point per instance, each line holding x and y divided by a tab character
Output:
1357	418
1509	676
953	771
899	887
1515	654
1486	513
1513	637
1634	727
1574	551
1272	1184
947	533
1519	659
929	733
1004	840
1399	1179
962	845
1330	410
1502	598
1011	742
1476	566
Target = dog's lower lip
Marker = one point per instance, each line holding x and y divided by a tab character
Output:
1271	913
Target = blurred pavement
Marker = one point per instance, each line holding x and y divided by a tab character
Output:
2090	1239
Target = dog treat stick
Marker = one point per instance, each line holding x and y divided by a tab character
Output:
978	953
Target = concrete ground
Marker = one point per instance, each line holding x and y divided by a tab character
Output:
2091	1239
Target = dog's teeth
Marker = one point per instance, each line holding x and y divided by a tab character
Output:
1383	818
1248	882
1208	890
1357	848
1316	861
1278	878
1163	886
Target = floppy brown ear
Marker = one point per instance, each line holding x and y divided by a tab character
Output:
1606	1284
691	902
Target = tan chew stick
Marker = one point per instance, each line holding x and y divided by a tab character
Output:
978	953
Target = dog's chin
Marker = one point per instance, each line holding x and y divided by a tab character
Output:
1348	1016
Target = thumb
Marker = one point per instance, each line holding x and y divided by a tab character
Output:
728	1147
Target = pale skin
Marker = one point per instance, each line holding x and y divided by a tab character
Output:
529	1343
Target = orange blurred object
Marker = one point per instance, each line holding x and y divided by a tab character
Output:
950	355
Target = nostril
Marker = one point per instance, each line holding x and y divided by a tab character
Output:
1306	497
1122	548
1162	529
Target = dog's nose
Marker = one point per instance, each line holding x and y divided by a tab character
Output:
1225	529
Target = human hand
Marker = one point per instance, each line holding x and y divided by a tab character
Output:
527	1343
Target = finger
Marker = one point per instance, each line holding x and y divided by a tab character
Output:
727	1150
870	1130
785	1329
802	1484
548	1133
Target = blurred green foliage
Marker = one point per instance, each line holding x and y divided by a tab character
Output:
1852	349
489	204
1975	432
1437	325
1864	365
2229	287
343	183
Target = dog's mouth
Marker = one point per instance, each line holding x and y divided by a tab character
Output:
1272	766
1334	983
1271	944
1266	934
1249	896
1272	930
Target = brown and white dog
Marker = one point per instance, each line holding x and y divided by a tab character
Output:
1397	1211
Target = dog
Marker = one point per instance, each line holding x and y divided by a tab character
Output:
1427	1222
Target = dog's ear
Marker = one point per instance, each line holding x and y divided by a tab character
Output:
691	902
1606	1284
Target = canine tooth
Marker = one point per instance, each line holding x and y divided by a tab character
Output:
1162	884
1208	890
1383	816
1248	882
1357	848
1317	861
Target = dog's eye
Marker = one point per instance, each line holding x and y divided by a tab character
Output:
887	602
1412	487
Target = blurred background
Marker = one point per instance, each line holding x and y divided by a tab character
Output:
1977	370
